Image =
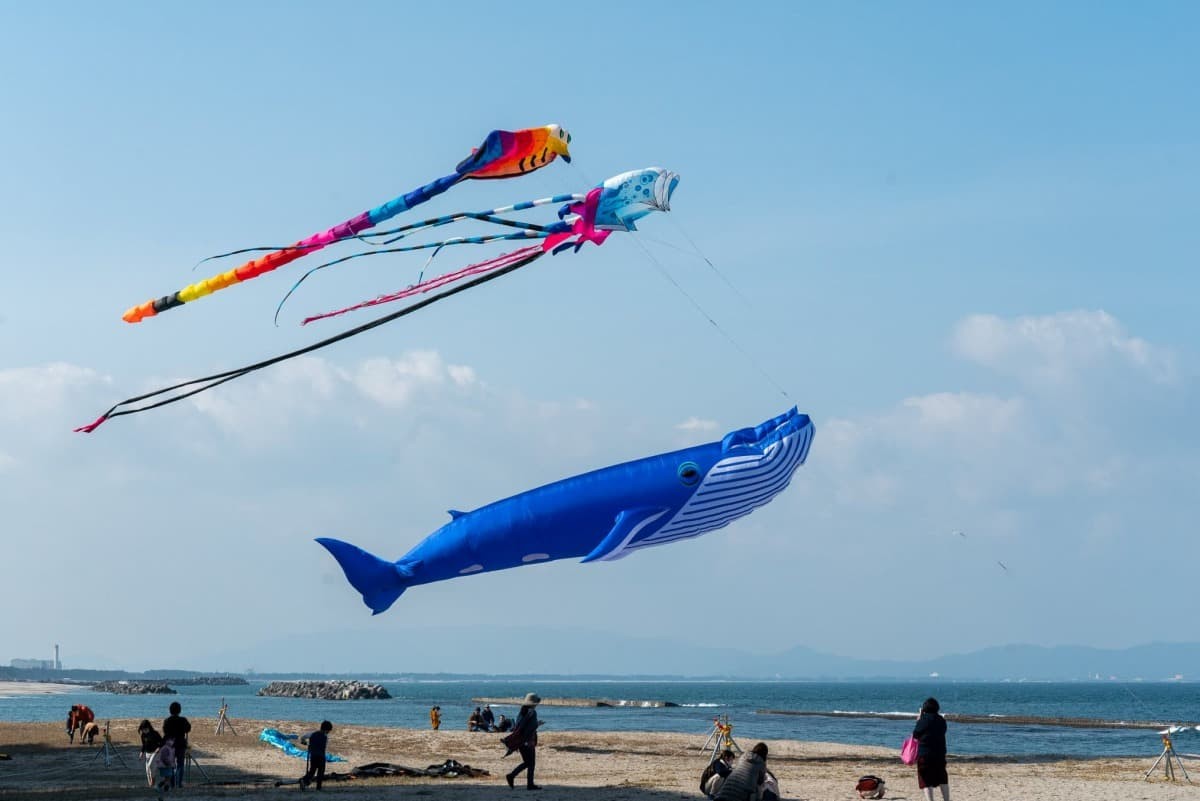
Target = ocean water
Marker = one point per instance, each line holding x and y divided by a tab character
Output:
699	702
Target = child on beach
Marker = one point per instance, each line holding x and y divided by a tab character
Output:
151	739
160	768
317	742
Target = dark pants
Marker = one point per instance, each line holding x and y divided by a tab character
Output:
316	769
180	764
528	760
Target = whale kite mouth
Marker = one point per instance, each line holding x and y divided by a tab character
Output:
763	436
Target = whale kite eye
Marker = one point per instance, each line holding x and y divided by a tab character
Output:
689	474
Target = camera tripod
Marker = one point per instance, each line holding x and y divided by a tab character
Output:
191	762
720	738
108	751
223	721
1168	754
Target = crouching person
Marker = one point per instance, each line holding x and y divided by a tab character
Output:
745	781
714	774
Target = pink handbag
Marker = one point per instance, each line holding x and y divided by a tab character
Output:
908	751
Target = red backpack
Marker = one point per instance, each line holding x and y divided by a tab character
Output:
870	787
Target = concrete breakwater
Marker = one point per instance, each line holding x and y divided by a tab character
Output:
134	687
326	690
583	702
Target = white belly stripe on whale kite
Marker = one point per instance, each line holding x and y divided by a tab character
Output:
734	487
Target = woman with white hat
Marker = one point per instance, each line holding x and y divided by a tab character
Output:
524	739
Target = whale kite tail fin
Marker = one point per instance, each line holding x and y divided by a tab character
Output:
381	582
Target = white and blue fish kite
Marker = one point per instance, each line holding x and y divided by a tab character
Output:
603	515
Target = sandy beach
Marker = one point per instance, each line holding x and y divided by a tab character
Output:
582	766
11	688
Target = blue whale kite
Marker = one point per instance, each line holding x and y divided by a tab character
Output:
602	515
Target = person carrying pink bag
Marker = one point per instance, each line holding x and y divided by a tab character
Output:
930	734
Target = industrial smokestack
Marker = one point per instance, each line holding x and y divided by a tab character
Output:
57	661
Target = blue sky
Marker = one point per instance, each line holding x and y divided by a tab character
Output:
964	241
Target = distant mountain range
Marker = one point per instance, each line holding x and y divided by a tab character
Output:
500	651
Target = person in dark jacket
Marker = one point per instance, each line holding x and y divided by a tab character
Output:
475	721
488	718
744	782
317	743
176	729
524	738
930	734
151	739
715	774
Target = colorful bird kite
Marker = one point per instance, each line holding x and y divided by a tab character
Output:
503	154
614	205
603	515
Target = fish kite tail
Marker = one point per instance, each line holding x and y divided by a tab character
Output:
279	258
381	582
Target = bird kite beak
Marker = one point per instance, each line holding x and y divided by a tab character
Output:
559	144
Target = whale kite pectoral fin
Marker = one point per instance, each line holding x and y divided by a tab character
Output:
381	582
628	525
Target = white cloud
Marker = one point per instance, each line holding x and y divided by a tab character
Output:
394	382
697	424
961	414
29	392
1057	347
271	401
876	458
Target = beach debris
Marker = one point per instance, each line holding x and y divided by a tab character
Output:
603	515
450	769
284	743
614	205
326	690
134	687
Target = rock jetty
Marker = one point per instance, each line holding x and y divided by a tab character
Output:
325	690
586	702
210	681
134	687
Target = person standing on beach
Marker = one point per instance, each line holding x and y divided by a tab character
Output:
489	720
435	717
930	734
524	739
176	729
317	743
745	781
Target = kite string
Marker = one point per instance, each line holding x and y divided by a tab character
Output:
679	226
728	338
527	255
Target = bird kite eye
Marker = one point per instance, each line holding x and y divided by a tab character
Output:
689	474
